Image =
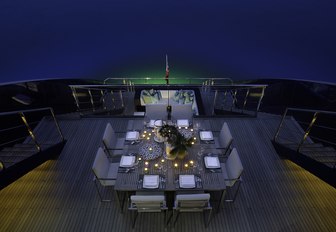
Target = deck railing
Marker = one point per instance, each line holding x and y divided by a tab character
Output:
221	93
19	124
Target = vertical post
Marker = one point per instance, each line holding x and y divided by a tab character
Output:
214	102
280	125
308	130
122	99
91	100
259	102
74	94
31	133
245	100
103	99
112	98
56	123
234	99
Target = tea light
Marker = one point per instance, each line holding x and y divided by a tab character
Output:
162	161
186	127
156	165
146	169
145	132
146	163
139	158
175	165
191	129
191	162
144	135
192	143
148	138
186	165
194	138
153	131
179	127
150	150
149	134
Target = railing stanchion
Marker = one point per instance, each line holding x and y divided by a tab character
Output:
308	130
56	123
31	133
280	125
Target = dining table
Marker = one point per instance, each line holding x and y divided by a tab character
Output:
151	170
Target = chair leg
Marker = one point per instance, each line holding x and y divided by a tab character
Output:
235	194
134	219
221	200
100	195
209	218
178	214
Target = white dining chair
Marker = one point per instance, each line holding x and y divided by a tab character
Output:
149	203
182	111
232	172
112	144
105	173
224	139
192	203
156	111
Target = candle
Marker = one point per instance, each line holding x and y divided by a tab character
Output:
191	162
192	143
146	169
175	165
148	138
162	161
186	165
194	138
144	135
191	129
186	127
146	163
145	132
156	165
139	158
149	134
179	127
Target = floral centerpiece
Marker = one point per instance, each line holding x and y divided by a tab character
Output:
178	144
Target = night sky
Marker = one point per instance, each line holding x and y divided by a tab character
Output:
239	39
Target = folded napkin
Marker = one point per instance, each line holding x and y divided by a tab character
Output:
187	181
151	181
206	135
211	162
158	123
127	161
183	122
132	135
151	123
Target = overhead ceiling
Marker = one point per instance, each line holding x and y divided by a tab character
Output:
124	38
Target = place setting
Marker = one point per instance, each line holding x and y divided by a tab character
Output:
206	137
151	182
212	163
128	163
132	138
188	181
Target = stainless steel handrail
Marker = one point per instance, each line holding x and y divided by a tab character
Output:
311	124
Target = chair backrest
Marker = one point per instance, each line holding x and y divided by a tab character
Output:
234	167
225	137
182	111
109	137
148	203
192	202
156	111
100	168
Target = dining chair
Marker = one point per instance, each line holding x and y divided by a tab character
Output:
225	139
232	172
192	203
148	203
111	142
105	173
156	111
182	111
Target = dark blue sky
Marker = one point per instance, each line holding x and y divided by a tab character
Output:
117	38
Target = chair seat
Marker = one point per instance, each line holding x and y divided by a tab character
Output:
112	174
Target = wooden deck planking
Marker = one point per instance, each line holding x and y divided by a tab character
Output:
276	195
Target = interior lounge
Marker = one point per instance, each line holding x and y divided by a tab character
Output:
167	116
